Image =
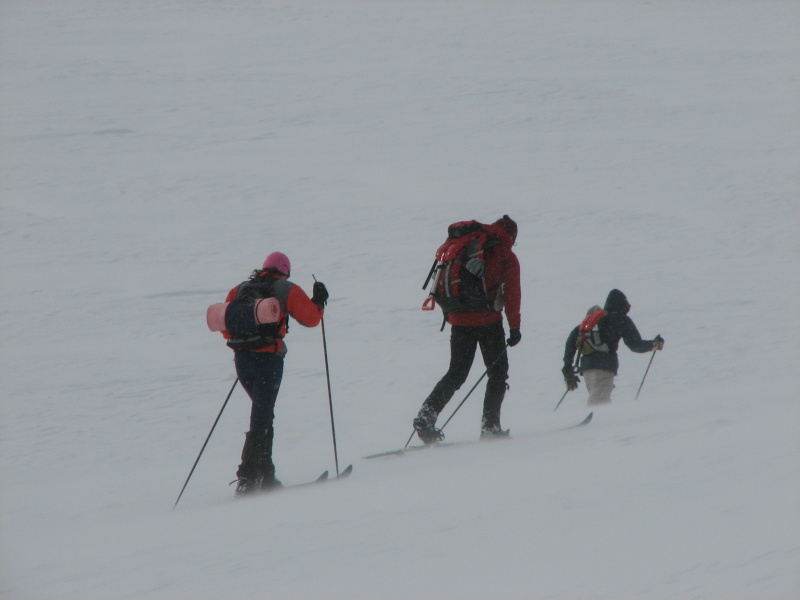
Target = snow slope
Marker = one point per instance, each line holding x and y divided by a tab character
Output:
154	153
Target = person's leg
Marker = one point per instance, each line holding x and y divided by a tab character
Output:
265	383
495	357
599	384
261	374
463	344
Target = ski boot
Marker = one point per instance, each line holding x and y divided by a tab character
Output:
424	425
491	430
244	487
257	471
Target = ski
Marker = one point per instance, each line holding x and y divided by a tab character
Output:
323	478
586	421
401	451
346	472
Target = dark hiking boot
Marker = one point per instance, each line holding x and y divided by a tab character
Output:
257	471
269	481
245	487
428	435
425	426
498	434
491	430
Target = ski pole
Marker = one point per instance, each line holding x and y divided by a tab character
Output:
224	404
486	372
645	373
574	370
330	397
560	401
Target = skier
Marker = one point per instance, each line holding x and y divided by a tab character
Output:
599	365
259	362
484	328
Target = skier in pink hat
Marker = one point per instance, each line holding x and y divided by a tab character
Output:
278	262
259	351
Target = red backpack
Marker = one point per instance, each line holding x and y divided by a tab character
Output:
454	287
589	339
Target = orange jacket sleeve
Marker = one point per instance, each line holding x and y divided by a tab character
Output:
301	308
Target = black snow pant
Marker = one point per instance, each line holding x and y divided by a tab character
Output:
260	374
463	342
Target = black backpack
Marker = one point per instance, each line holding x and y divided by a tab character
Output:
240	318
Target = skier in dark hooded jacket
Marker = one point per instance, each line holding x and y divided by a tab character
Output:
600	367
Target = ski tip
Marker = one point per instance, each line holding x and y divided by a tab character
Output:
322	477
346	472
589	417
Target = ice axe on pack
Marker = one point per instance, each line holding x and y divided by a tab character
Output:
430	301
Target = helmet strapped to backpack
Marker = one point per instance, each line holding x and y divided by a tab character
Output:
455	287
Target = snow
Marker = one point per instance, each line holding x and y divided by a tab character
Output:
154	152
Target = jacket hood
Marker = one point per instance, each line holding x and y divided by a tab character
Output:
508	225
616	302
504	229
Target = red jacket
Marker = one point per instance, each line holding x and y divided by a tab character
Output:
294	302
501	274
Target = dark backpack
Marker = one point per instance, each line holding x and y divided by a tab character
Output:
240	318
589	338
454	287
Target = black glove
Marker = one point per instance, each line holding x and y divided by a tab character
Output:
570	378
320	297
514	336
658	343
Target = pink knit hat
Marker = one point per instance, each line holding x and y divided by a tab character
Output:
277	261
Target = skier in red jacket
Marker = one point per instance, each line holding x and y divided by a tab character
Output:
259	362
481	328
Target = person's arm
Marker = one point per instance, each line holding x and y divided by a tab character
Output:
512	290
570	347
632	338
301	308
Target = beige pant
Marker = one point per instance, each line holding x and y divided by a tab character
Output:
599	384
